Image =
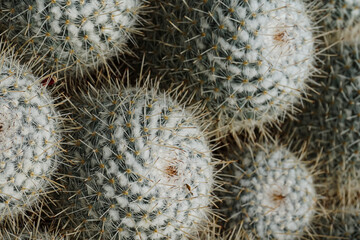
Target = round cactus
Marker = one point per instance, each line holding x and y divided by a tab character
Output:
29	137
248	62
75	35
141	167
331	123
271	194
343	17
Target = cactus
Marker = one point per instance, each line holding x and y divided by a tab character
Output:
249	62
271	194
330	122
343	17
75	35
8	235
141	167
29	136
341	225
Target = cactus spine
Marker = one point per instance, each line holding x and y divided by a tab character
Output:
75	35
142	167
248	62
271	194
29	137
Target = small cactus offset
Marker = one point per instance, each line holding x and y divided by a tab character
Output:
248	61
271	194
29	137
77	35
141	167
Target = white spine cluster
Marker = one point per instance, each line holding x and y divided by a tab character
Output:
29	137
142	167
77	35
271	195
249	61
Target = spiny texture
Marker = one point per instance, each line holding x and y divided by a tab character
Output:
271	195
78	35
29	137
340	225
331	123
141	167
247	60
343	17
8	235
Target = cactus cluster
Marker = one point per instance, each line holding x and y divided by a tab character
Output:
271	193
29	137
248	61
141	167
75	35
132	156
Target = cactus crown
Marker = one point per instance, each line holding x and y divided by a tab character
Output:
247	61
142	167
271	194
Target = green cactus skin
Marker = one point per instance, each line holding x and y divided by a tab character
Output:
141	167
29	137
248	61
271	194
76	35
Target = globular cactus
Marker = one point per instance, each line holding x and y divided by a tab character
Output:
342	19
75	35
29	137
141	167
271	194
330	122
248	61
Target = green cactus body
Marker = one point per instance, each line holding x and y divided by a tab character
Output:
29	137
271	194
248	61
77	35
142	167
331	123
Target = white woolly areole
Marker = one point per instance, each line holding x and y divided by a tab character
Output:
73	34
144	167
272	194
29	136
